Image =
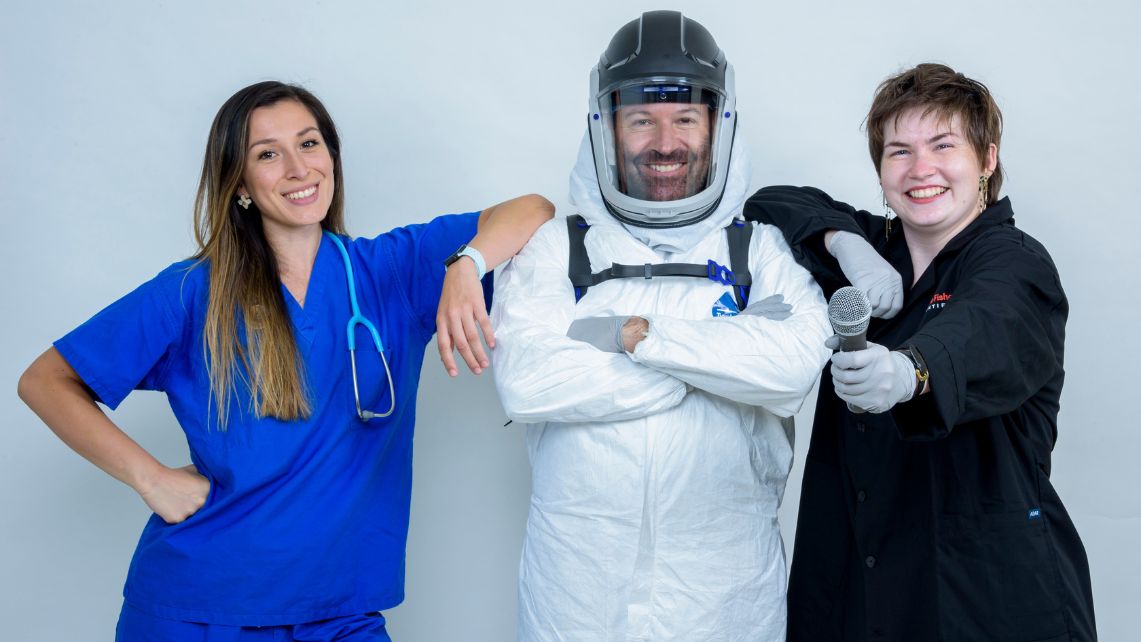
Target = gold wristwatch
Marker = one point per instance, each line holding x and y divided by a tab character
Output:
917	362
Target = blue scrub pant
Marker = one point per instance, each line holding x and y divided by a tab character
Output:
136	626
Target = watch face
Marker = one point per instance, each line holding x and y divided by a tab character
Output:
455	255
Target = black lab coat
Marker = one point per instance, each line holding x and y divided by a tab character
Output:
936	520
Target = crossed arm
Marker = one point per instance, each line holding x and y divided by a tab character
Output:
750	359
543	375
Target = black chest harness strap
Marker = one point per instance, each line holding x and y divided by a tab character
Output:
739	234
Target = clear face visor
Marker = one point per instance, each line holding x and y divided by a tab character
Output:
660	138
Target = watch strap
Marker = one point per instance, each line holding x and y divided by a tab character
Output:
471	253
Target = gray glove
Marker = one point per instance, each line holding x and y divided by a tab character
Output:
771	307
604	333
874	379
868	271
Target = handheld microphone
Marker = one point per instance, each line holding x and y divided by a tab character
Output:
849	311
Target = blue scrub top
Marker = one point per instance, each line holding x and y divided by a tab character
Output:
305	520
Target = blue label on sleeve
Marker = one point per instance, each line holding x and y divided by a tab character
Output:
726	306
1035	513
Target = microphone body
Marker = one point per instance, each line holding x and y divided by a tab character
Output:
849	311
852	343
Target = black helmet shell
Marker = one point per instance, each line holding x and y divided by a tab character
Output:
662	43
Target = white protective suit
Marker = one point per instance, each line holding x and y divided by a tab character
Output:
656	475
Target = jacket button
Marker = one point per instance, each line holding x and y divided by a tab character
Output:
860	427
861	496
870	561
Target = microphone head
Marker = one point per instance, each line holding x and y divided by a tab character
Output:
849	311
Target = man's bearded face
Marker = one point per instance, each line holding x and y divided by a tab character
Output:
663	150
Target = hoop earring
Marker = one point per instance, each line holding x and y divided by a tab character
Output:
887	215
984	191
244	201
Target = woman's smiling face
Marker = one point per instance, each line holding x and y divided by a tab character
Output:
930	173
288	169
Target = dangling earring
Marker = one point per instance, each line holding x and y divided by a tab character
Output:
984	190
887	215
244	201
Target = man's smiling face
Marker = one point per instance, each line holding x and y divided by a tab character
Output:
663	150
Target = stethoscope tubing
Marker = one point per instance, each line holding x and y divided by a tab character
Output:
358	319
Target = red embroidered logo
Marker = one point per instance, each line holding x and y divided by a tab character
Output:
940	298
938	301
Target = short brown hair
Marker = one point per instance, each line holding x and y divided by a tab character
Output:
938	89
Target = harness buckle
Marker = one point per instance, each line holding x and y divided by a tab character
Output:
720	273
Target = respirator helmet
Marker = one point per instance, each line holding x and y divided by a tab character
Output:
662	119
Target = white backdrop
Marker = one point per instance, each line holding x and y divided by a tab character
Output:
104	110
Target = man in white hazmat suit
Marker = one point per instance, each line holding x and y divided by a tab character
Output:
656	442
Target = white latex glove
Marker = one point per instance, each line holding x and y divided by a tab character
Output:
771	307
867	270
874	379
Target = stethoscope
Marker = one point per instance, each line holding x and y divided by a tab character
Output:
358	319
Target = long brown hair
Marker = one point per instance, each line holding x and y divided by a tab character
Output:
938	89
245	288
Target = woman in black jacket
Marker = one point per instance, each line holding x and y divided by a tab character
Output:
931	515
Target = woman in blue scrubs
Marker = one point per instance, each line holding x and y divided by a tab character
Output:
291	522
